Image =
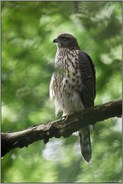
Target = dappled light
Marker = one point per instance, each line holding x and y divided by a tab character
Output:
28	52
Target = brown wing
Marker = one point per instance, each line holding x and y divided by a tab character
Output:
88	78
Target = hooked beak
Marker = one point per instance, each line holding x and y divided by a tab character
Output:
55	40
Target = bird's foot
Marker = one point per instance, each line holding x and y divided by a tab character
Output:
66	117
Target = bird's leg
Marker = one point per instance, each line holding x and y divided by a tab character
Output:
65	117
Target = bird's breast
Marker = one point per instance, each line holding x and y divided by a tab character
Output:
68	79
68	73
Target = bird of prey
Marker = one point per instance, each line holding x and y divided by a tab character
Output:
72	84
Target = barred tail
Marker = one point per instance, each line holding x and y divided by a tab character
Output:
85	143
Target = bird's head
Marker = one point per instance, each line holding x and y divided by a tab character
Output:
66	40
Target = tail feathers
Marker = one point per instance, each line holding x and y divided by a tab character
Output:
85	143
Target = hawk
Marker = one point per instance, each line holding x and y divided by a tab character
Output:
72	84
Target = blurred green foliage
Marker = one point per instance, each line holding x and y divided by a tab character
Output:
28	29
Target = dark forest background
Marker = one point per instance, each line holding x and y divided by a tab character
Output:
28	29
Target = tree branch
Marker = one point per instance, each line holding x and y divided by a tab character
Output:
62	127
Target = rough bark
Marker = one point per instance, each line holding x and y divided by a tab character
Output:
62	127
